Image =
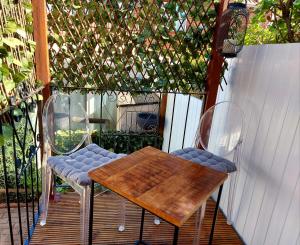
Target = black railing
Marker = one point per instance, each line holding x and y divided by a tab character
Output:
20	178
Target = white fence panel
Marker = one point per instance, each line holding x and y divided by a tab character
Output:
265	82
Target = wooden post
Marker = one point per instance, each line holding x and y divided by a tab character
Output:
216	63
40	33
41	38
162	113
214	70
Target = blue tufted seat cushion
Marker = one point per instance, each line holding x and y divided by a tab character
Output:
206	159
77	165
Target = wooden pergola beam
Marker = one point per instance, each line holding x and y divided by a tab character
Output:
41	38
216	63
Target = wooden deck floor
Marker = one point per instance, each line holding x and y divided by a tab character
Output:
63	225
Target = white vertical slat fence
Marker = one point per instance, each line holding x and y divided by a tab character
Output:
265	82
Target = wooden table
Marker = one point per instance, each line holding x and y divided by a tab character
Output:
167	186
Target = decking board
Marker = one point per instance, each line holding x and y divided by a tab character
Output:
63	225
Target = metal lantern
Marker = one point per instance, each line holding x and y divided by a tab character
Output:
232	30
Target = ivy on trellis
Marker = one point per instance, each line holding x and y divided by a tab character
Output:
17	73
131	45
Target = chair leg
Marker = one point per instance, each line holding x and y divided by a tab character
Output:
199	220
46	189
231	196
84	215
122	214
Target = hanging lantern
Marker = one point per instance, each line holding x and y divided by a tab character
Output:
232	30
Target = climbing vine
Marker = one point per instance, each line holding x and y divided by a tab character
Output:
17	74
131	45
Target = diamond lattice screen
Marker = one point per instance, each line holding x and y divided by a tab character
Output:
131	45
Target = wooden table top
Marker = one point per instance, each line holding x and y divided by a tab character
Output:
167	186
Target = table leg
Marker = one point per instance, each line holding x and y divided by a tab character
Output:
140	241
175	238
215	215
199	221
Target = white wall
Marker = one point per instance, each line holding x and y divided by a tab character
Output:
265	82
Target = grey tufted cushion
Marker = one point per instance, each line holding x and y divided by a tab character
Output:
77	165
206	159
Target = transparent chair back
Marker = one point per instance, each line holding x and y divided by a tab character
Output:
65	123
220	132
220	129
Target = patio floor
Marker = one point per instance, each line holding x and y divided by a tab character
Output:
63	225
4	227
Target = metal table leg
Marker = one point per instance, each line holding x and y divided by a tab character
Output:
175	237
215	215
140	241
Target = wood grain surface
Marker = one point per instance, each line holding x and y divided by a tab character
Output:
167	186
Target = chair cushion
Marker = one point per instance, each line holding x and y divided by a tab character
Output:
77	165
206	158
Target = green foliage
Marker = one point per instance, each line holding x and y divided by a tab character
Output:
26	177
116	141
131	45
67	140
275	22
16	48
124	142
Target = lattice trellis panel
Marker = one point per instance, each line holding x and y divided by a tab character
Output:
129	45
17	72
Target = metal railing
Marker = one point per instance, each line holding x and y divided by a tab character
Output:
20	178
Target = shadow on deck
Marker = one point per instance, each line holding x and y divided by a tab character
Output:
63	225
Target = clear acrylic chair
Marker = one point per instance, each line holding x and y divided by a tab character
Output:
221	129
66	131
220	135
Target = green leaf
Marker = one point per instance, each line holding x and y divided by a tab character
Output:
76	6
10	27
9	59
9	85
4	70
27	6
12	42
57	37
7	130
31	43
2	140
17	62
17	112
19	77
